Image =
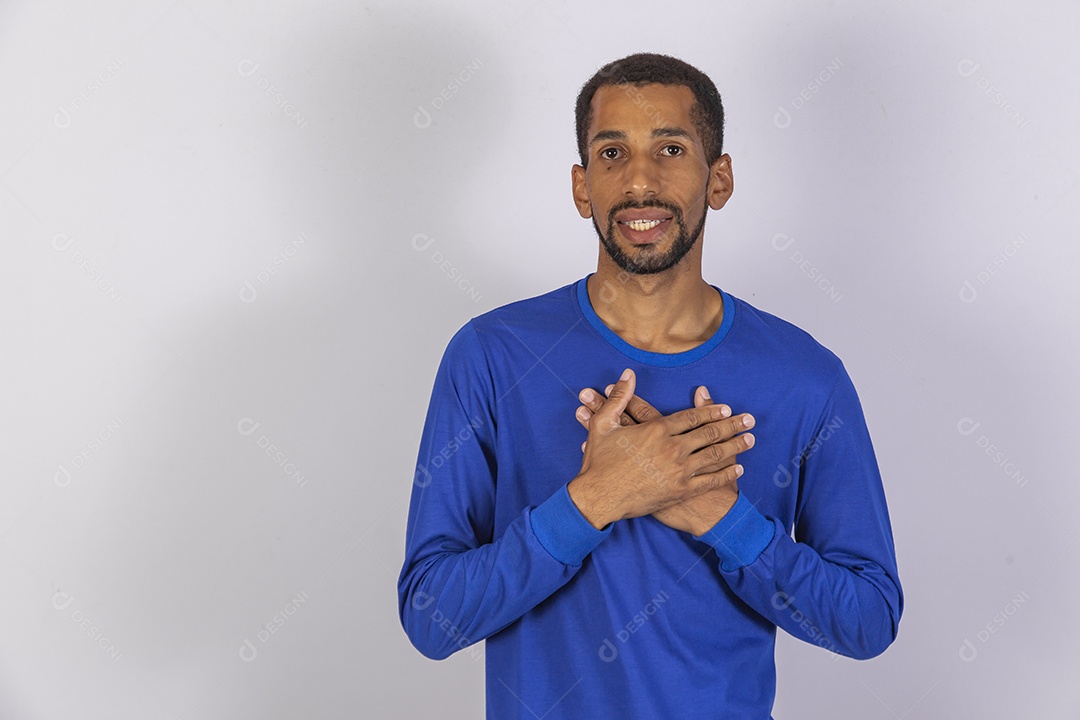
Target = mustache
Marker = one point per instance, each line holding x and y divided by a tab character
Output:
631	205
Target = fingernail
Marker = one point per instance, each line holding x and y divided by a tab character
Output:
586	395
705	393
748	421
625	374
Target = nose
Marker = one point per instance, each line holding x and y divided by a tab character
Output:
643	176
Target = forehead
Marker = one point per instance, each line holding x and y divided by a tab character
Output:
629	107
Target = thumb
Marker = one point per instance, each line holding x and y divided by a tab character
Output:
702	398
618	399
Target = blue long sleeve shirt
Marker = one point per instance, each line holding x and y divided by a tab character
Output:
639	620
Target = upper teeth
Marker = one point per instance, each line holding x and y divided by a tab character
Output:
643	224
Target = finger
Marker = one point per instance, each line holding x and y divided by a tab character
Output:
593	401
583	414
702	398
728	459
707	482
637	410
695	417
618	399
719	454
641	411
717	430
715	467
598	400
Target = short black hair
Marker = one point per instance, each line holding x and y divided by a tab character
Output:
707	112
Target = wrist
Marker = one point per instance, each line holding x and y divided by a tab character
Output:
585	502
707	521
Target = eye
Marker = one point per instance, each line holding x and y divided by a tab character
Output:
678	150
605	151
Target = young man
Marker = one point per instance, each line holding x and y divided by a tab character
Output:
647	577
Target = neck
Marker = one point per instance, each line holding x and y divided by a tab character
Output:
667	312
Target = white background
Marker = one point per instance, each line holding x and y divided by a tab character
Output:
208	213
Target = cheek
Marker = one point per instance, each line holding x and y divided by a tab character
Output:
696	197
599	190
600	204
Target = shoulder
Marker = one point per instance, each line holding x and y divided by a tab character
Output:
552	312
783	346
510	328
491	344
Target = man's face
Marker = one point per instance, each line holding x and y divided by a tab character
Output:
648	186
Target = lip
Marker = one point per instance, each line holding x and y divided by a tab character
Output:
642	214
644	237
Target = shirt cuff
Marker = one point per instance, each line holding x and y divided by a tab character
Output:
563	531
740	536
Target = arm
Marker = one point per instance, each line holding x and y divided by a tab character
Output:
837	585
459	585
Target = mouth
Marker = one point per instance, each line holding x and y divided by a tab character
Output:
643	232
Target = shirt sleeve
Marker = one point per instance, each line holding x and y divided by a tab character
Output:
835	584
458	584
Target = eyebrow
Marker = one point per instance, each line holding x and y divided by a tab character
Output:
656	133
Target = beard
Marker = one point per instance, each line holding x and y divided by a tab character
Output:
646	259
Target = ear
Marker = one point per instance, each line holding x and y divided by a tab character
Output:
580	191
721	183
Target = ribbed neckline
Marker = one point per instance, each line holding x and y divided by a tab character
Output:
645	356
